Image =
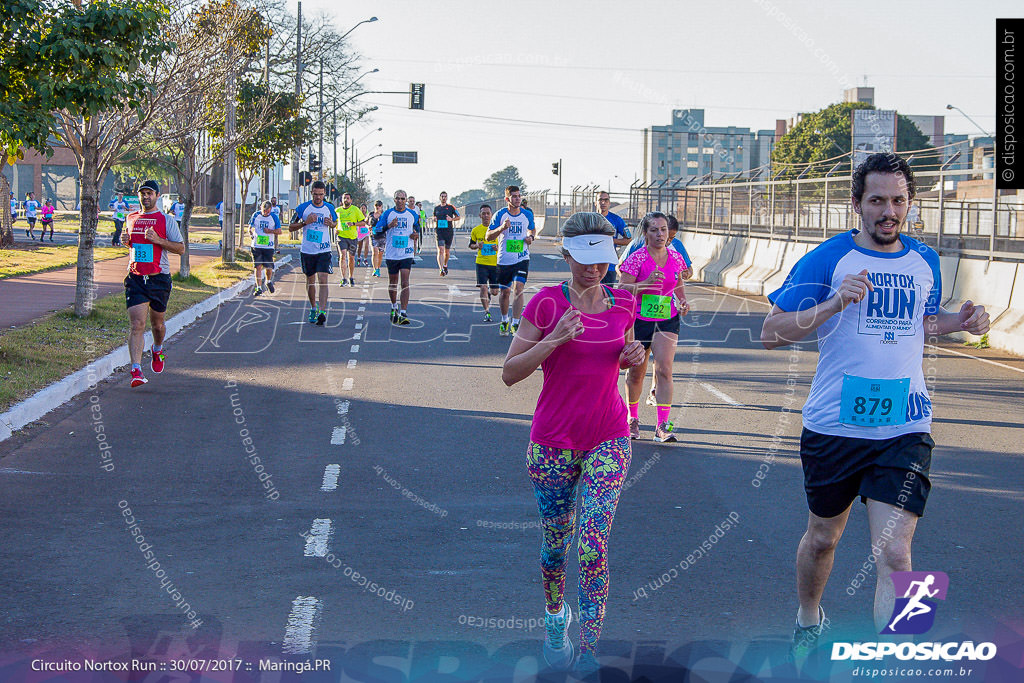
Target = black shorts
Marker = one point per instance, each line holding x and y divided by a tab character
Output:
378	240
263	256
347	244
839	468
643	330
154	290
317	263
446	235
487	275
516	271
31	220
395	265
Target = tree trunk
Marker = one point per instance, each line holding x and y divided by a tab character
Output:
186	186
6	225
246	180
85	285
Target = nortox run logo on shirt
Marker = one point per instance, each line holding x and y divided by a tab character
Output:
891	308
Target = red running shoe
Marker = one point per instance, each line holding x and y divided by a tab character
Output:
158	362
137	379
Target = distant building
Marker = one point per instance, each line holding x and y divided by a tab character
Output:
861	94
688	149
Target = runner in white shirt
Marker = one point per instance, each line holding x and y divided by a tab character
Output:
871	295
31	207
264	226
513	227
401	229
316	219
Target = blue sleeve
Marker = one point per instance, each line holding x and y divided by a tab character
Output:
252	219
497	219
810	281
529	215
334	214
633	248
277	221
678	245
415	221
934	301
299	210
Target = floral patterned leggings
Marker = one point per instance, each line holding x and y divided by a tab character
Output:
555	472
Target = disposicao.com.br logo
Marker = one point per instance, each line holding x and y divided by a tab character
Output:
917	594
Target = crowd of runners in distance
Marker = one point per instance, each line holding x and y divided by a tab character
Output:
866	421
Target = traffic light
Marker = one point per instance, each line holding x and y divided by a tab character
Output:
314	162
305	178
554	168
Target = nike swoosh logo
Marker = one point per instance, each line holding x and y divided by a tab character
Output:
593	243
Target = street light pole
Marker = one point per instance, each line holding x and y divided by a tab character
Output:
995	187
320	97
297	151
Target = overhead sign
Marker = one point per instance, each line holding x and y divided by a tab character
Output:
873	130
404	157
416	91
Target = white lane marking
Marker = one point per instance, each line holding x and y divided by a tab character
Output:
351	363
343	408
359	326
362	308
553	257
347	384
298	634
455	291
983	360
331	473
316	540
359	317
10	470
338	435
725	397
355	348
356	335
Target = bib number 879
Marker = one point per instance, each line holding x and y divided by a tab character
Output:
860	406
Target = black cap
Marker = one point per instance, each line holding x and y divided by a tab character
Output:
150	184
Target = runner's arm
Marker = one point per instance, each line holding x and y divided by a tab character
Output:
970	318
529	349
786	327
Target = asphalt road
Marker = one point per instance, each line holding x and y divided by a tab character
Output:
397	454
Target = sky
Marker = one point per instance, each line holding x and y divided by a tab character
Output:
580	80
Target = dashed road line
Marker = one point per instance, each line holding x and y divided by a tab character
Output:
725	397
338	436
316	540
298	634
331	474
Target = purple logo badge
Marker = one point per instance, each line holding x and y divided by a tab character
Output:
916	596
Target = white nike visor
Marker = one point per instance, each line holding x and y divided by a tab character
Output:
588	249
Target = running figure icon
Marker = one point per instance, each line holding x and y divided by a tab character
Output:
915	607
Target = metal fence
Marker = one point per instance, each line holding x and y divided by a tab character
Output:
813	209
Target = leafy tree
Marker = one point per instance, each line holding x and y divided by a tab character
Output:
496	183
97	56
470	196
826	134
276	126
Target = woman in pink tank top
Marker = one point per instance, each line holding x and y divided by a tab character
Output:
581	333
654	274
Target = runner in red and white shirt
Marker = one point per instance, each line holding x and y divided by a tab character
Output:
149	235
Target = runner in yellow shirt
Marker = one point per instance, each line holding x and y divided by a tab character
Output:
486	261
350	218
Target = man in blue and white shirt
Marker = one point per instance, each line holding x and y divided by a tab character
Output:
316	219
622	236
872	295
513	227
401	229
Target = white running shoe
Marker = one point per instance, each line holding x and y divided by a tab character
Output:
558	651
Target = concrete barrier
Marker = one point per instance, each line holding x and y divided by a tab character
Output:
793	252
1008	329
702	250
983	283
947	267
725	257
743	260
767	262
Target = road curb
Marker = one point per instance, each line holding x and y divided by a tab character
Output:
62	391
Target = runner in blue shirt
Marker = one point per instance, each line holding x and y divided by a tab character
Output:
871	295
316	218
622	236
400	227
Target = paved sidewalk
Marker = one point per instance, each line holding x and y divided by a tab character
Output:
28	297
